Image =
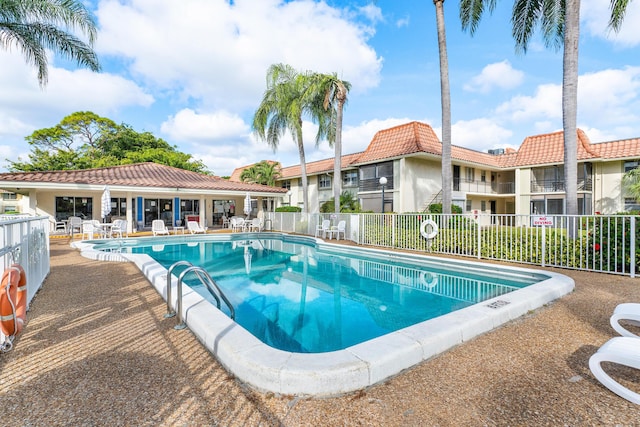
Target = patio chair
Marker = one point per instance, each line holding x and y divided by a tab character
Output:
89	230
194	227
237	223
340	228
118	227
621	350
323	228
158	227
628	313
74	223
255	225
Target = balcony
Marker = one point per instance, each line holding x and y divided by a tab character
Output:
484	187
554	186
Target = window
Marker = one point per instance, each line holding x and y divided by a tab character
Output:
469	174
286	184
350	179
368	172
10	209
9	196
324	181
469	206
74	206
631	204
630	165
483	206
483	176
118	206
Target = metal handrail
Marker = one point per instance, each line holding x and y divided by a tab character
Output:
211	285
170	311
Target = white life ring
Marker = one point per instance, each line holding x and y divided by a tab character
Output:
429	280
423	229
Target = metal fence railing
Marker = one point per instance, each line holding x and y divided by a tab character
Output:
600	243
25	241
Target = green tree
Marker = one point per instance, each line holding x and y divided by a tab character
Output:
348	203
282	107
329	95
560	26
264	172
84	140
33	26
631	183
445	100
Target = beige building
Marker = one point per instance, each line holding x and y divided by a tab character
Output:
524	181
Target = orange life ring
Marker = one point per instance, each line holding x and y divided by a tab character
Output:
21	301
10	323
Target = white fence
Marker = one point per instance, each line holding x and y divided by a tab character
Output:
600	243
25	240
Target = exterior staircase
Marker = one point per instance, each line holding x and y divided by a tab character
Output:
431	199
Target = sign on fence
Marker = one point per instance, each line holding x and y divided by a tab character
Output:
539	220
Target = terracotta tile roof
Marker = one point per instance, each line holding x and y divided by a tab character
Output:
549	148
137	175
627	148
400	141
325	165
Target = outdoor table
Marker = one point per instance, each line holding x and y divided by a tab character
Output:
178	228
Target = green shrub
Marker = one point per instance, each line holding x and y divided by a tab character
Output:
288	209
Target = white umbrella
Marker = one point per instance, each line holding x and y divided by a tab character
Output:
247	204
106	202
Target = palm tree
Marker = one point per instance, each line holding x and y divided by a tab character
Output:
631	183
445	100
250	174
267	172
281	109
36	25
330	95
560	27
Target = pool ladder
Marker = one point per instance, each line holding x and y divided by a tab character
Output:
205	279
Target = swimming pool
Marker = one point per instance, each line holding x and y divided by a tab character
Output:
367	328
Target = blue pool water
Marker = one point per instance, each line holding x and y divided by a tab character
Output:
296	297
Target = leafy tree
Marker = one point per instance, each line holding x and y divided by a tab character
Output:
281	109
84	140
348	203
264	172
445	101
631	183
329	96
33	26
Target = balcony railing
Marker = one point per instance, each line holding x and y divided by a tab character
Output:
551	186
484	187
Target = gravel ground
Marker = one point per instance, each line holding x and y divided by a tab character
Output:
97	351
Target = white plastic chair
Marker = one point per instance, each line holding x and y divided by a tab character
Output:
89	230
237	223
340	228
158	227
74	223
195	228
118	227
323	228
255	225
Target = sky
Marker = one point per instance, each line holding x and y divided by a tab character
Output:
193	73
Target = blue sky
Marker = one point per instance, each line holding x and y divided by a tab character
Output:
193	72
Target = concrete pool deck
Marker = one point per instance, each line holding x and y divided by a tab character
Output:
267	369
97	350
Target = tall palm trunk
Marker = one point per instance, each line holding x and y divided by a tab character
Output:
337	164
445	95
303	171
570	104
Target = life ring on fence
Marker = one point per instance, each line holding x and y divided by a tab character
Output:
21	300
10	322
423	229
429	280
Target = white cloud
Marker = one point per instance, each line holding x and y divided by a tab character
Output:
403	22
188	125
480	134
218	53
545	104
498	75
595	16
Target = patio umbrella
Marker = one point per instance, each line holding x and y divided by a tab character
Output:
247	204
106	203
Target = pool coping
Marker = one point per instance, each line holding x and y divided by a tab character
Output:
267	369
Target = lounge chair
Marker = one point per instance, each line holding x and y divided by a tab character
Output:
340	228
628	313
194	227
323	228
158	227
621	350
